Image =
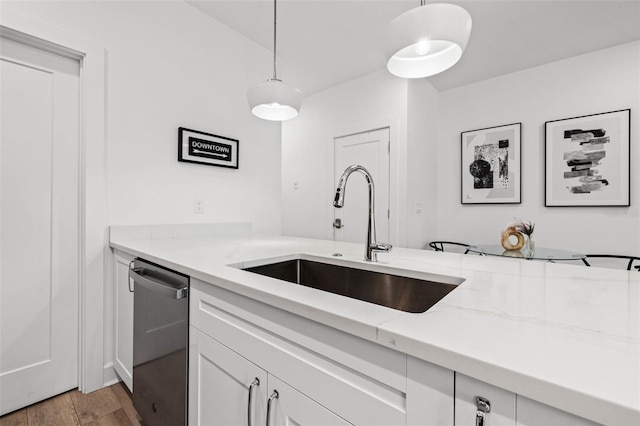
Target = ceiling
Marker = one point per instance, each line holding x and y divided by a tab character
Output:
322	43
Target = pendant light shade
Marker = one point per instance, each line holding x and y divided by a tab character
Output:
427	40
273	100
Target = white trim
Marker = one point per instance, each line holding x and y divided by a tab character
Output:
92	191
110	375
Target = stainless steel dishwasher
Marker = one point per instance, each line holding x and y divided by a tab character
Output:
160	343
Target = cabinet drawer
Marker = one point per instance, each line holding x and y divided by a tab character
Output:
362	382
507	408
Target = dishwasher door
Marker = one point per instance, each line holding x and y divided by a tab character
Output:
160	343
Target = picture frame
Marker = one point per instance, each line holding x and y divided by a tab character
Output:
206	148
587	160
491	165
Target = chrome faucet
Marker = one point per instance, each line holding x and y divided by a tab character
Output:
372	247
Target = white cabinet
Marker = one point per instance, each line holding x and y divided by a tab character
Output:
324	376
503	403
290	407
123	319
224	388
345	378
507	408
533	413
430	391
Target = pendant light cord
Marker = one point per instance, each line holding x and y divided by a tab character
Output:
274	39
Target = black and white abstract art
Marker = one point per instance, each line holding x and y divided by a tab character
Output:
491	165
587	160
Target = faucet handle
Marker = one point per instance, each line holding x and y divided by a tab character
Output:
385	247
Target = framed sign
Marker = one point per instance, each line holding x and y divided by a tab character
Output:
491	165
587	160
206	148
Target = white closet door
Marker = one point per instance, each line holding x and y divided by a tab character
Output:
39	223
371	150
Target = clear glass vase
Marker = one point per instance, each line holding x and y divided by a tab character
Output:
529	246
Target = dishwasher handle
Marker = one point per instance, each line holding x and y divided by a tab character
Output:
137	274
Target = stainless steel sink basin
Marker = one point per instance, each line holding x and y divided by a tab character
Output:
393	291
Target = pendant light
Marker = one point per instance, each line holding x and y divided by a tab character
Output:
274	100
427	40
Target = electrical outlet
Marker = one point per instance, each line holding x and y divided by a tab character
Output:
198	205
418	207
295	184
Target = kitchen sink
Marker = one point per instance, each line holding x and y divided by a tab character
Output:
393	291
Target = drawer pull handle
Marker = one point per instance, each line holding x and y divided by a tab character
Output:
483	407
255	383
273	396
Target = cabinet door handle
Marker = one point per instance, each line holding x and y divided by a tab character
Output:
480	418
273	396
255	383
483	406
160	287
129	276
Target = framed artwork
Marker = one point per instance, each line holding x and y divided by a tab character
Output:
206	148
587	160
491	165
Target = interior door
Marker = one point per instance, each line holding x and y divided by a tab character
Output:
39	224
371	150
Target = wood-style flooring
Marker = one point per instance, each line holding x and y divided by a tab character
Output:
110	406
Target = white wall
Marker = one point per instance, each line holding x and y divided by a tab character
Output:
428	154
602	81
169	65
422	163
373	101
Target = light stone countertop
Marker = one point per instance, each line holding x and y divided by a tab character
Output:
564	335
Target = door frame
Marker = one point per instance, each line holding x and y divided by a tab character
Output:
92	226
397	192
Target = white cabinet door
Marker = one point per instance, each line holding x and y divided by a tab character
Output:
503	403
123	307
360	381
532	413
220	385
291	407
430	392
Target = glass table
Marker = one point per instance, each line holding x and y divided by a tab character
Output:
540	253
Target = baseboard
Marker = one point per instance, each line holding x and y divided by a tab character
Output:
109	375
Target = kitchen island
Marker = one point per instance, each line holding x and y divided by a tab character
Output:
562	335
